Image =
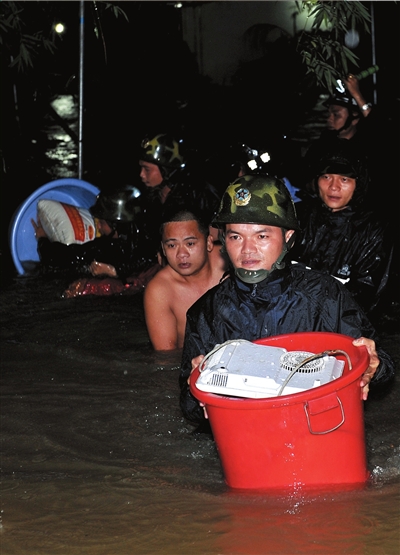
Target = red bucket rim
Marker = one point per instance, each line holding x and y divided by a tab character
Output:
243	403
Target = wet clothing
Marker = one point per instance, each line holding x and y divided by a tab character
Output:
375	142
74	259
352	244
105	286
291	300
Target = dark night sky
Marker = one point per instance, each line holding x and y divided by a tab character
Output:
132	84
136	90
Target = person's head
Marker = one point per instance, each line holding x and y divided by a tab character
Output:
343	115
341	177
116	211
246	159
104	228
253	160
160	157
185	242
258	220
150	174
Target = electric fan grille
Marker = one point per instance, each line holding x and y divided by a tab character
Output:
291	359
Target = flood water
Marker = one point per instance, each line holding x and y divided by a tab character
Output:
98	460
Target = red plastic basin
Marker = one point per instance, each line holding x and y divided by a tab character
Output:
312	438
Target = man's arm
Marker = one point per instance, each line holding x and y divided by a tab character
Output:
160	320
193	347
354	89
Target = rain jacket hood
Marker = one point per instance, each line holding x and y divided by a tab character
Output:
353	244
342	158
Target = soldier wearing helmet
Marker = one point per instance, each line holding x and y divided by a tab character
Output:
349	117
264	294
161	160
343	115
342	233
171	178
346	107
115	250
118	210
263	201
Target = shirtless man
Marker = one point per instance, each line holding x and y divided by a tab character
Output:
194	266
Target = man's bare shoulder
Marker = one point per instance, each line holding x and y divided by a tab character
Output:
163	279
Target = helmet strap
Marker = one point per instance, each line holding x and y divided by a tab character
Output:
168	174
350	118
254	276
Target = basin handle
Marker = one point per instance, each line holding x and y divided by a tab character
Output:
328	402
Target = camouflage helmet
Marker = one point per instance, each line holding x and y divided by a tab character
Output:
119	206
257	199
163	150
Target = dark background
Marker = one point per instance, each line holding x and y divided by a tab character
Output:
140	76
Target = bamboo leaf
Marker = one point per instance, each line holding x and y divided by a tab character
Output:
327	56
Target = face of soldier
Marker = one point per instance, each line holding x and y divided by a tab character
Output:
150	174
336	191
337	119
254	246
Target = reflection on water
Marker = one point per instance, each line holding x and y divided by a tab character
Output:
111	516
61	141
97	459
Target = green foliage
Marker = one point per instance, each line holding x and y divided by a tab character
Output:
26	29
21	43
116	10
322	49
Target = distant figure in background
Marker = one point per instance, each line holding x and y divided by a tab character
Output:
350	117
161	161
347	109
171	178
340	233
116	252
194	265
240	159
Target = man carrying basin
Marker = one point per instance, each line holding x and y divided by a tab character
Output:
265	296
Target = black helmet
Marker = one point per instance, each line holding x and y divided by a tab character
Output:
342	99
163	150
343	158
257	199
119	206
337	162
253	160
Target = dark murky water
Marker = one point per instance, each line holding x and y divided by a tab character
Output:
97	459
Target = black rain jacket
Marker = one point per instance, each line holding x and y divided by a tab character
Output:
352	244
74	260
291	300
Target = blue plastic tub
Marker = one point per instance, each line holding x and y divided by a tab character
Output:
21	233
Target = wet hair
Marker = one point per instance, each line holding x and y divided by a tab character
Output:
185	216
